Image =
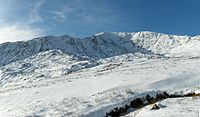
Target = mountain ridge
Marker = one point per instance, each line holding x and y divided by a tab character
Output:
101	45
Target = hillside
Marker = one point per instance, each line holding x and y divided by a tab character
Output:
67	76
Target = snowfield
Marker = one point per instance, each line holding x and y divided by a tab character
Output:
71	77
94	91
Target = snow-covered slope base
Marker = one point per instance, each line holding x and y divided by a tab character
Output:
97	90
65	76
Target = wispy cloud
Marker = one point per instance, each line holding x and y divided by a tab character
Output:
21	28
24	19
11	33
62	12
88	11
35	12
59	15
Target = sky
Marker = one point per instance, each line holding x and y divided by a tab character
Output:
27	19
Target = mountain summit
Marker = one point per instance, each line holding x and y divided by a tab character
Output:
103	45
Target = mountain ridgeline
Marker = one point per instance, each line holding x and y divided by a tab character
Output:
102	45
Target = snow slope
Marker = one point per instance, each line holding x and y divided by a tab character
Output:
190	49
41	66
66	76
94	91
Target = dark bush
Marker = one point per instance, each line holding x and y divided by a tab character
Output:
149	99
166	94
137	103
116	112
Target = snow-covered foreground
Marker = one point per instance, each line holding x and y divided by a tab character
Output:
96	90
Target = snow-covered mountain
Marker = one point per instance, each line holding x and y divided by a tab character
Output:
26	61
102	45
90	76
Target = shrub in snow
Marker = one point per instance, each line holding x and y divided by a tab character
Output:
162	96
149	99
116	112
137	103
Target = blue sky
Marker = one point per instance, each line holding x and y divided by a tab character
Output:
26	19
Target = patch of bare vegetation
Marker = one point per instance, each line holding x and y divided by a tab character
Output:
138	103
